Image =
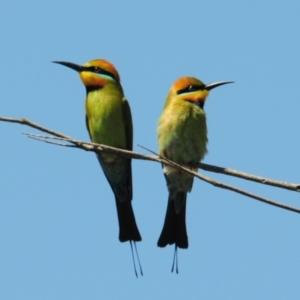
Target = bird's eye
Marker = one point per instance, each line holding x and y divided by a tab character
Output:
190	88
193	87
100	71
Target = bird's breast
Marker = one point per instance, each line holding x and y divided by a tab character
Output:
182	133
105	119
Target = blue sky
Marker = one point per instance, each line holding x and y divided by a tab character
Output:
58	224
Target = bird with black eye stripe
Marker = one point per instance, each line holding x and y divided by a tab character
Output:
182	138
109	122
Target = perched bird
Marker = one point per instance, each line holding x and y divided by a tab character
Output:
108	121
182	138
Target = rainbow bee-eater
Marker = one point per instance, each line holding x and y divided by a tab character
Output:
182	138
108	121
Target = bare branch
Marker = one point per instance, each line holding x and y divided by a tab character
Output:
130	154
95	147
240	191
24	121
218	184
46	139
281	184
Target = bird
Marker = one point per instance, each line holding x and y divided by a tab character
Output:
182	138
108	120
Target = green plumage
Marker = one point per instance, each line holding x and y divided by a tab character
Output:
106	120
109	122
182	138
182	131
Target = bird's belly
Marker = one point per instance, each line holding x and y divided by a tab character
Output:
183	139
185	151
108	131
112	134
184	142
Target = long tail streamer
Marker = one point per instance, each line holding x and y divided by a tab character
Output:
138	259
175	260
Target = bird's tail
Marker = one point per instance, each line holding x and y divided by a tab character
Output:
174	229
128	230
127	224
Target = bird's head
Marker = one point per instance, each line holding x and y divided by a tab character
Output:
193	90
95	73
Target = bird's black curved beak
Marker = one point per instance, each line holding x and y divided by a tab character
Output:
70	65
216	84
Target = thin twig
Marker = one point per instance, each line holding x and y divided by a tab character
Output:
98	148
226	186
24	121
281	184
240	191
46	139
251	177
126	153
173	164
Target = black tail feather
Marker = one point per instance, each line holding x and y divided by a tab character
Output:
174	229
127	224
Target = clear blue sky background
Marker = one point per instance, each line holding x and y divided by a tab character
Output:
58	223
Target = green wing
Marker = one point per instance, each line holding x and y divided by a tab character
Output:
129	137
87	126
128	123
